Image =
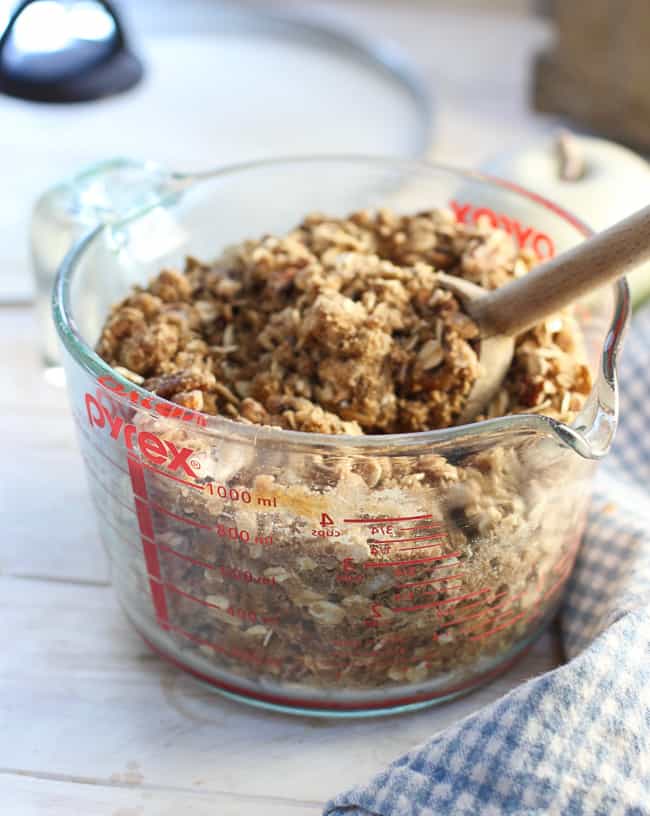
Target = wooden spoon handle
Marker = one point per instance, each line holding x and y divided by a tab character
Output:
526	301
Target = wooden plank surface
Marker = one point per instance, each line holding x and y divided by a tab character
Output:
91	722
88	700
33	796
46	509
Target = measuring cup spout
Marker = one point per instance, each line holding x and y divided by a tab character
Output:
121	188
592	433
314	572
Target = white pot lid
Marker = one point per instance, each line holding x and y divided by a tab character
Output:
263	85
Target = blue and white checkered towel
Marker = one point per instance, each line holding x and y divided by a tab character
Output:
575	741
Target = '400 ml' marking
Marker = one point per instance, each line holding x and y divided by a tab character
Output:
525	237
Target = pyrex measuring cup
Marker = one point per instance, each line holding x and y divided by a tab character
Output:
328	574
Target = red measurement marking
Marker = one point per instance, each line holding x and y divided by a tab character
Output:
405	540
431	580
384	656
541	244
174	478
187	595
503	607
96	447
136	472
419	547
503	595
465	618
563	563
145	522
101	483
414	561
328	704
122	537
346	644
159	601
382	520
567	559
556	585
181	518
531	613
467	596
505	625
443	602
237	654
270	620
148	546
434	525
189	558
162	408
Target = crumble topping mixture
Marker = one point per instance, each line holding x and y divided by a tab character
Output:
340	327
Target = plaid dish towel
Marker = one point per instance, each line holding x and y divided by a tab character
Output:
574	741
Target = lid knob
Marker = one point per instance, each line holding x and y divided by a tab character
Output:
62	51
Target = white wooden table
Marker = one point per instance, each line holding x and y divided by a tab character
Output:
90	721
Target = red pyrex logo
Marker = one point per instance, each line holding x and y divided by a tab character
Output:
165	409
526	237
156	450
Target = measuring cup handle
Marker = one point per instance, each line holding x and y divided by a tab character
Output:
546	289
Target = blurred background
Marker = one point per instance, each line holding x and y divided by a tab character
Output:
192	84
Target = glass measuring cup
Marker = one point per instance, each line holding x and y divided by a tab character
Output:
329	574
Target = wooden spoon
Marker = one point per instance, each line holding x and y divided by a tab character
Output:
501	314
